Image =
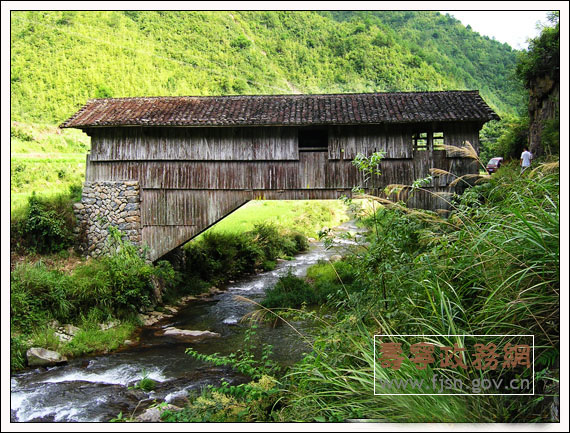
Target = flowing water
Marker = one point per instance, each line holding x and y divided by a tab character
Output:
97	388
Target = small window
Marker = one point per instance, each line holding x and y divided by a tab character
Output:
313	140
420	141
438	141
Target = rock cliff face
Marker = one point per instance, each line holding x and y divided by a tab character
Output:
543	105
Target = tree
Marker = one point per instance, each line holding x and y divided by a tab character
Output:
539	70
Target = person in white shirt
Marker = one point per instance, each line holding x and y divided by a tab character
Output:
526	157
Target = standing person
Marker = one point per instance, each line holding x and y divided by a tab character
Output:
526	156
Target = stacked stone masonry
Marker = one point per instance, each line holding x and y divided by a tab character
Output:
104	205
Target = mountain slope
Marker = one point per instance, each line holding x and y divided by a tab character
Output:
60	59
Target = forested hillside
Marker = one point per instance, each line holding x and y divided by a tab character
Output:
60	59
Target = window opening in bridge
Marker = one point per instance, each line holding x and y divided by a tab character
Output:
438	141
313	140
420	140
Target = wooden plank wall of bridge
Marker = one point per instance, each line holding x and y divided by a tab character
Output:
190	178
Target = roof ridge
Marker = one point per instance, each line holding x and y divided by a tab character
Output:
298	95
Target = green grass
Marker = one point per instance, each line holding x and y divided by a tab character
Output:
89	339
305	216
46	177
46	139
46	160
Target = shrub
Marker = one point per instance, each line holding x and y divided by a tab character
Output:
17	132
267	237
301	242
241	42
218	257
121	283
290	291
46	225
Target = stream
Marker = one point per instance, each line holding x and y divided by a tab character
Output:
97	388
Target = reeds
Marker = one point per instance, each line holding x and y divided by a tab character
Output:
490	269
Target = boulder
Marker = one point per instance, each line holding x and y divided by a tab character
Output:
40	357
335	258
152	414
188	335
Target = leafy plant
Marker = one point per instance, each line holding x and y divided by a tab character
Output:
244	360
46	226
146	383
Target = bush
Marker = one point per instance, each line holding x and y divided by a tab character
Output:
45	226
290	291
268	238
122	283
241	42
219	257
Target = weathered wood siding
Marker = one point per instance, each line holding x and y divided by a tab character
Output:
345	142
202	144
192	177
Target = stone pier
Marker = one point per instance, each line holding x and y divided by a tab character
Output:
104	205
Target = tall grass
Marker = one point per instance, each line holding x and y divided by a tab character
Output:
491	268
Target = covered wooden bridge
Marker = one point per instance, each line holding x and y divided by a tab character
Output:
164	169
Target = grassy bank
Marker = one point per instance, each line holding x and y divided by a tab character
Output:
44	159
305	216
219	257
110	290
490	268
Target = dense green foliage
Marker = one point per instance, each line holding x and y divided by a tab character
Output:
543	55
61	59
218	257
118	285
45	224
322	286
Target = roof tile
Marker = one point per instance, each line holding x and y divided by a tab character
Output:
270	110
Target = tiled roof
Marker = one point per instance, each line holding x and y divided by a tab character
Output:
259	110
